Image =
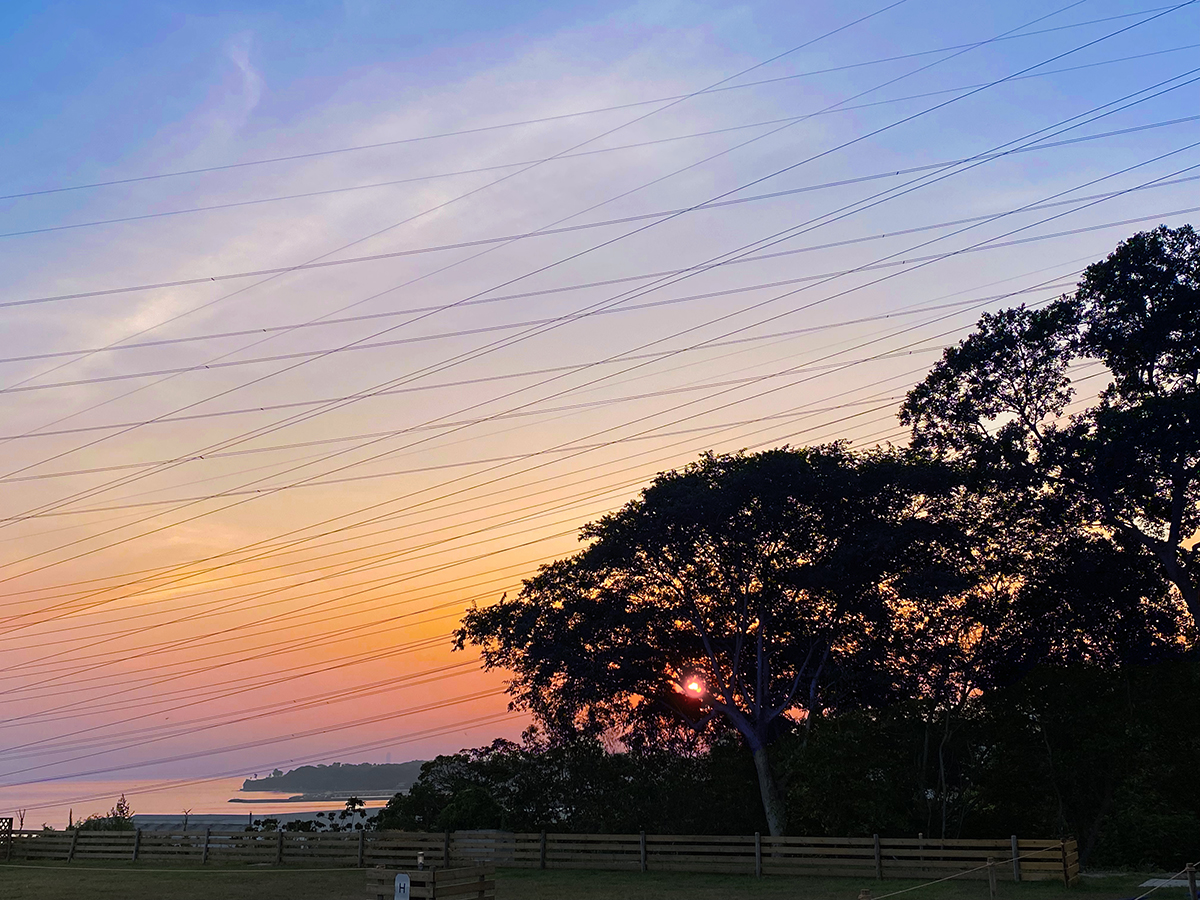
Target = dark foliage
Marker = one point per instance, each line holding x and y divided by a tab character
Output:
353	817
580	787
1108	756
119	818
1129	467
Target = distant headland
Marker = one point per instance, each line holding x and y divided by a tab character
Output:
338	781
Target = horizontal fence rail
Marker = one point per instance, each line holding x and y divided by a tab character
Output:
466	883
872	857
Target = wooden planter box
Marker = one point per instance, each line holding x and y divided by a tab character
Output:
464	883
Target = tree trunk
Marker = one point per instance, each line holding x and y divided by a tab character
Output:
769	788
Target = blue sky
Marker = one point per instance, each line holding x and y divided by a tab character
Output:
483	387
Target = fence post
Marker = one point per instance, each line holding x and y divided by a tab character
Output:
1191	876
279	849
74	841
1016	859
137	843
446	850
642	850
362	848
1066	867
878	860
991	867
758	854
542	854
204	852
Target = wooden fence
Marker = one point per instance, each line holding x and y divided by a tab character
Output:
466	883
872	857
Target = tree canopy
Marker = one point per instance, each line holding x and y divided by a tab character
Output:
1126	468
744	591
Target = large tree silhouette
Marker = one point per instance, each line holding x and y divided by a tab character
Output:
1128	468
744	591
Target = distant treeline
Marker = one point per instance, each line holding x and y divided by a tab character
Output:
339	777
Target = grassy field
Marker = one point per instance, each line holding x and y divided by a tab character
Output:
127	882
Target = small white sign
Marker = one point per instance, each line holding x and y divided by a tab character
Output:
403	887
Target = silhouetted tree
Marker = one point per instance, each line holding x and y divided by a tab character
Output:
1125	471
744	591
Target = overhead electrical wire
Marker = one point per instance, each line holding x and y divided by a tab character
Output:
266	742
439	567
369	624
213	367
325	192
483	379
689	404
803	412
685	168
553	118
890	173
504	178
237	685
886	127
188	727
161	569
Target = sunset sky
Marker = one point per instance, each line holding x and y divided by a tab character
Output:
325	320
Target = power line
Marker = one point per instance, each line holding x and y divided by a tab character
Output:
854	141
367	625
687	405
537	164
370	745
545	119
210	366
188	728
574	147
325	192
286	549
407	575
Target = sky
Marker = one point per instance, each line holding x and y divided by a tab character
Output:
324	321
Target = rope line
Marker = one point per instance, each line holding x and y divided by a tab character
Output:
966	872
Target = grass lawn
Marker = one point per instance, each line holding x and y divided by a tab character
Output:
119	881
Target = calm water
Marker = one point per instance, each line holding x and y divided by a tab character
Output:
51	803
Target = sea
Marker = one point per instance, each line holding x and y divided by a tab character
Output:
58	802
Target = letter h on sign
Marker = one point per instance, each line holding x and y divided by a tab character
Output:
403	887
